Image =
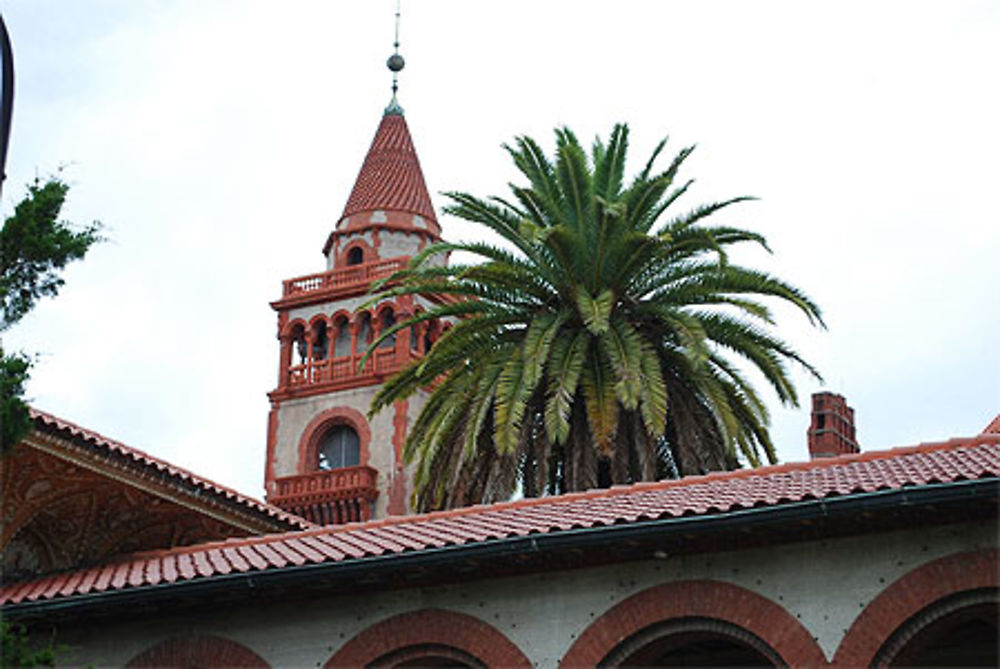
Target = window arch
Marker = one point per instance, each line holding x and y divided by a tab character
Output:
904	601
430	637
745	622
339	447
355	255
197	651
317	429
693	642
959	631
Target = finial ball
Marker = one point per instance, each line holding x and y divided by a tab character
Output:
395	62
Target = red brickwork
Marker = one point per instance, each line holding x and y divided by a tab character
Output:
197	651
705	599
909	594
430	627
831	432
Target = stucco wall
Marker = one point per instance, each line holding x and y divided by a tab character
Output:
295	415
824	585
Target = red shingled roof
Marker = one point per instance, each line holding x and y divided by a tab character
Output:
390	178
47	422
993	427
946	462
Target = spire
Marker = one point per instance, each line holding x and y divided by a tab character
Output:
395	64
391	178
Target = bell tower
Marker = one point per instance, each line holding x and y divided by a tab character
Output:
326	461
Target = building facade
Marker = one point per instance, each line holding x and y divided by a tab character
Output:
883	558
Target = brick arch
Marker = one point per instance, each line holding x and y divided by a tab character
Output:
434	628
908	595
309	441
368	252
291	325
703	599
342	313
197	651
319	318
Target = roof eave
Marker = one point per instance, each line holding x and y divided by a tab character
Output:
496	550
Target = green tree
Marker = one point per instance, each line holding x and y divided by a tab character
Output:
603	345
34	247
17	650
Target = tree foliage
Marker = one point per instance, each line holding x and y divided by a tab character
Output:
34	247
602	343
19	651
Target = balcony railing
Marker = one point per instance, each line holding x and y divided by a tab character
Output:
382	361
329	497
357	275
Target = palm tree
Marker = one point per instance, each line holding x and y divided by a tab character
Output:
600	345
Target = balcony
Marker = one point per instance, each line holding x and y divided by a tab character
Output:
331	374
329	497
357	276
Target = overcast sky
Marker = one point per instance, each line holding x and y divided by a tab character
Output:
218	142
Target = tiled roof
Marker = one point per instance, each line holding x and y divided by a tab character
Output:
993	427
390	178
946	462
46	422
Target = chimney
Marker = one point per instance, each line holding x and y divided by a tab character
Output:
831	432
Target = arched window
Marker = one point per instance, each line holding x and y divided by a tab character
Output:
355	256
957	631
693	642
339	447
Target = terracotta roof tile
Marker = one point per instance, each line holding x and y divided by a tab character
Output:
234	559
955	460
391	178
993	427
50	423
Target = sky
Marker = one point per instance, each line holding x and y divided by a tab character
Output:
217	142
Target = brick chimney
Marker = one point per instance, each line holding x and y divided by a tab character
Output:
831	432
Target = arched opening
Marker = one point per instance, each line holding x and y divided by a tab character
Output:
958	631
692	642
431	334
197	651
320	341
299	351
342	337
364	333
430	637
338	447
387	319
428	655
355	256
415	331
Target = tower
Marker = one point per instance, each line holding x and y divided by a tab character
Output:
326	461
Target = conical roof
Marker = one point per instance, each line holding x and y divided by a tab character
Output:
390	178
